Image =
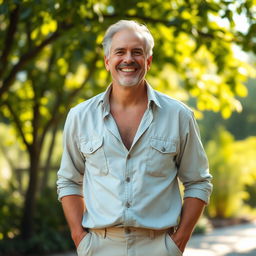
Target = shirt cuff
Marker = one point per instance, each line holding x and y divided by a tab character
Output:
198	193
69	191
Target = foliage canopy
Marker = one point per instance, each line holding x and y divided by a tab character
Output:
51	58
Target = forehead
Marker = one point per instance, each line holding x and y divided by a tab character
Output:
128	39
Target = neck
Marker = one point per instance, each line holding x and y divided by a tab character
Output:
128	96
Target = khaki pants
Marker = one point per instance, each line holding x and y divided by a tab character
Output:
127	242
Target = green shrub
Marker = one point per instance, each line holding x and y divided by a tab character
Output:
10	213
51	233
232	164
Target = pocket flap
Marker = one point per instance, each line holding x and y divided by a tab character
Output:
91	146
163	146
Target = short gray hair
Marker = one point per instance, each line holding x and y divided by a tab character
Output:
128	24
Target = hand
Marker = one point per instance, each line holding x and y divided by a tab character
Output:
77	238
180	241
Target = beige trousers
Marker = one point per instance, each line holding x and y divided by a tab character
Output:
127	242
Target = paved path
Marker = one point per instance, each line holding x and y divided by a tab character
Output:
237	240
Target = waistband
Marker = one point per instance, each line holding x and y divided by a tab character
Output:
127	231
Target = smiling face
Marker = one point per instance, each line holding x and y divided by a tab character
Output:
127	60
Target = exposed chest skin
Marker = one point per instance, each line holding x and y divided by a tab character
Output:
128	121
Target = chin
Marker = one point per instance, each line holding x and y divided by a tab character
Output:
130	83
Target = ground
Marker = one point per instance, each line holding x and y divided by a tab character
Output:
235	240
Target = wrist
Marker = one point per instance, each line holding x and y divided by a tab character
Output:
76	232
77	235
182	235
180	239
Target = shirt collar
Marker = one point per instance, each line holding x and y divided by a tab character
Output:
104	98
152	95
104	101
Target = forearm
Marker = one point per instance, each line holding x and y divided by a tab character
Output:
191	212
74	207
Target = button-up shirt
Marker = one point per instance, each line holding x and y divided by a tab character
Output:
138	187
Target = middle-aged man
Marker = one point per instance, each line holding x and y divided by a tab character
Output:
124	151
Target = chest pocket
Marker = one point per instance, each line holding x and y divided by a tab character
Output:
95	157
161	157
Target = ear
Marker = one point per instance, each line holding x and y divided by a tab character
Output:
149	61
106	61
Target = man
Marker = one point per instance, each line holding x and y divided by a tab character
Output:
123	152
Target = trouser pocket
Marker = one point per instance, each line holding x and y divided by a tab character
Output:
84	246
171	246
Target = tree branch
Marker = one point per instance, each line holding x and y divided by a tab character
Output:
74	93
171	23
28	33
23	60
14	17
28	56
18	124
56	117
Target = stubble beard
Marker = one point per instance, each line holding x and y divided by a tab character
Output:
128	82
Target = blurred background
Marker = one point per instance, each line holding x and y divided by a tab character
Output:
51	59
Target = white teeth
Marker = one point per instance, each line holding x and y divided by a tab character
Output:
128	70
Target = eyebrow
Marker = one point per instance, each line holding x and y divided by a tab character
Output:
138	49
122	49
119	49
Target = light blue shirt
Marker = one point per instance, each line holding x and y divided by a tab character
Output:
137	187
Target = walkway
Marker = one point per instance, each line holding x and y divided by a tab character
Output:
237	240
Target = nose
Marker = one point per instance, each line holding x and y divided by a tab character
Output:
128	58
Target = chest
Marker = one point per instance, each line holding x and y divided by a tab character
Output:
128	123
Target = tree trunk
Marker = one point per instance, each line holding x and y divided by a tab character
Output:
30	197
47	167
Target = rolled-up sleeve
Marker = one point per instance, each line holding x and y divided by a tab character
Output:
70	174
193	167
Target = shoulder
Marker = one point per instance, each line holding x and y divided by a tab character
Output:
170	104
90	105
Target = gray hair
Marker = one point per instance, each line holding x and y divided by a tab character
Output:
128	24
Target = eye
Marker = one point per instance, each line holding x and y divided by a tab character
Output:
119	53
137	53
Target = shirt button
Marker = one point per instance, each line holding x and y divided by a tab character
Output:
127	179
128	205
163	149
91	149
127	231
129	156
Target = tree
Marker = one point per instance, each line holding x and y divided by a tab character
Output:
240	125
51	58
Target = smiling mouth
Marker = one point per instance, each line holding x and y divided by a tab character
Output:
127	70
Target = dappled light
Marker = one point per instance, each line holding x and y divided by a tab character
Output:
51	59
